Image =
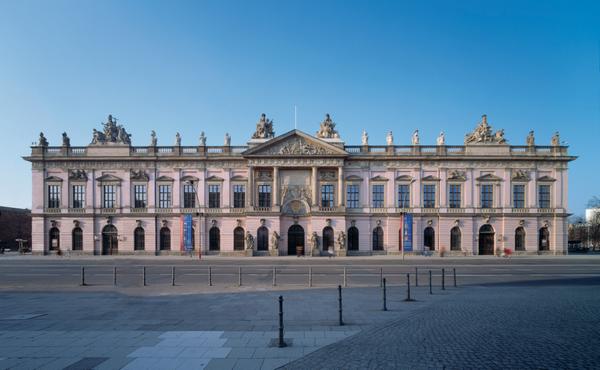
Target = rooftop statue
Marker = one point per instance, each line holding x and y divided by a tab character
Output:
415	138
227	139
389	138
202	139
177	139
153	140
264	128
65	140
365	138
327	129
555	139
441	139
112	133
530	139
483	134
42	141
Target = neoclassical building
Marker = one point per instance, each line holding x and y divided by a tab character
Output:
299	193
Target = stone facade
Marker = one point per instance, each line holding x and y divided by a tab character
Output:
112	197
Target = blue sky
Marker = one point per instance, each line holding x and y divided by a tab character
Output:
214	66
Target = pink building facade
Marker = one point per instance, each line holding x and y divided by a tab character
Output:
315	192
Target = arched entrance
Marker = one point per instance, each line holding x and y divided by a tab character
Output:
295	238
486	240
262	239
214	239
110	241
77	239
54	239
378	239
520	239
139	239
238	239
429	238
544	239
455	236
327	238
165	239
353	238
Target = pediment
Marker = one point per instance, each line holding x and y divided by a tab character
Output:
165	178
295	143
354	178
238	178
214	178
53	178
108	177
430	178
189	178
404	178
379	178
489	177
546	179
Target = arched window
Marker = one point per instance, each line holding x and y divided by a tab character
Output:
486	240
54	239
139	239
262	239
429	238
238	239
77	239
520	239
214	239
327	238
455	235
353	239
544	239
378	239
165	239
110	240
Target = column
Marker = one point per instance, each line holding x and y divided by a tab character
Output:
314	187
340	197
276	186
250	190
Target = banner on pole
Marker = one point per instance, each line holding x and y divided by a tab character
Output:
407	231
187	233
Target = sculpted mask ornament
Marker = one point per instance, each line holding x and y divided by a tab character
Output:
327	129
112	133
520	175
483	134
264	128
77	175
457	175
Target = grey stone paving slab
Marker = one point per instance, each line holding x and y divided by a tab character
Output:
248	364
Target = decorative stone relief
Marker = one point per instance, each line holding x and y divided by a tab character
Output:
77	175
264	128
483	134
297	146
140	175
112	133
327	129
327	175
457	175
296	192
520	175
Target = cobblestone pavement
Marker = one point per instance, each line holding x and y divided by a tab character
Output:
552	324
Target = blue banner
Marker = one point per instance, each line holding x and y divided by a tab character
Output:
187	233
407	232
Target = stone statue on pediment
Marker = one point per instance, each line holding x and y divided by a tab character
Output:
264	128
327	129
530	139
483	134
153	140
202	139
499	136
441	139
389	139
415	138
112	133
555	139
42	140
364	138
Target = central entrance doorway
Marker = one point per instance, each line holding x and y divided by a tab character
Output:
486	240
110	241
295	238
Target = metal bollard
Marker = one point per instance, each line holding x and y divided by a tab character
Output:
281	342
384	296
345	277
416	276
408	299
82	276
240	276
172	275
381	276
274	276
443	280
114	275
340	304
143	275
209	276
430	290
310	277
454	271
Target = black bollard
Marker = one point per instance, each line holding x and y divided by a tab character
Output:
82	276
443	280
340	303
454	271
408	299
430	290
310	277
143	275
172	275
281	342
209	276
345	277
240	276
416	276
114	275
274	276
384	295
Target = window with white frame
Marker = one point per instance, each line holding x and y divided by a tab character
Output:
164	196
403	196
264	195
428	195
214	196
78	196
454	196
327	195
189	196
487	196
544	196
378	196
140	196
352	196
239	196
109	196
53	196
518	196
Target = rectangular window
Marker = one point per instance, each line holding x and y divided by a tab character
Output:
352	195
327	195
239	196
428	196
377	196
140	197
264	195
454	196
214	196
78	196
164	196
403	196
189	196
519	196
487	196
544	196
109	196
53	196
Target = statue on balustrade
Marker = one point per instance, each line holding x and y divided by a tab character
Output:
65	140
415	138
365	138
177	139
483	134
42	141
202	139
153	140
389	139
112	133
327	129
227	139
441	139
264	128
530	139
555	139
